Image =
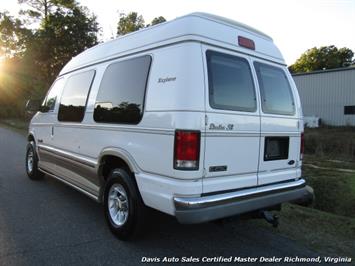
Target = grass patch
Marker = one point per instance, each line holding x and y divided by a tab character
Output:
326	233
334	190
328	162
328	226
331	142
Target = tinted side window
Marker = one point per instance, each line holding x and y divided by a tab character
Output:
231	84
74	97
275	90
52	96
122	89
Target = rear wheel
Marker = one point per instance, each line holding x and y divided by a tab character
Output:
32	162
124	208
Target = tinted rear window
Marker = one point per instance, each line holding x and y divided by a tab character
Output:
122	89
231	84
275	90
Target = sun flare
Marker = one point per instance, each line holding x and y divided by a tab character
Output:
1	71
1	66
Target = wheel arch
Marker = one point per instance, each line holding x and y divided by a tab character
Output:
111	158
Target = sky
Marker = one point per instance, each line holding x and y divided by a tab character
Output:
295	25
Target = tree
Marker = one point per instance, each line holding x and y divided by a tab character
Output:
67	34
33	57
132	22
13	36
41	9
65	30
325	57
129	23
157	20
15	81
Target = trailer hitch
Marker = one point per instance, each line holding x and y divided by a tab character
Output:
270	218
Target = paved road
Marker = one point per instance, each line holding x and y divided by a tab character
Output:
47	223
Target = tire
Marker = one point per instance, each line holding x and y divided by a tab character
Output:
126	215
32	162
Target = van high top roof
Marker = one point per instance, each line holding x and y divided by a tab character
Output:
200	27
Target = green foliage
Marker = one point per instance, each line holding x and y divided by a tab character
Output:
325	57
16	84
156	21
129	23
334	190
329	166
41	9
33	58
133	22
13	36
66	34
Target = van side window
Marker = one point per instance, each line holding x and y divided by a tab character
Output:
231	84
74	97
52	96
122	89
275	90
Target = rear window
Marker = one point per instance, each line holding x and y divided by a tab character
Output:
231	84
275	90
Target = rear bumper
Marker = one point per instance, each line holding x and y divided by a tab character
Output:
206	208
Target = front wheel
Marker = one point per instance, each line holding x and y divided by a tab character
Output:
32	162
124	208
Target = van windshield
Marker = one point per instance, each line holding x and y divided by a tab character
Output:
231	84
275	90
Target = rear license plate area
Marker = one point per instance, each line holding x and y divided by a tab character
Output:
276	148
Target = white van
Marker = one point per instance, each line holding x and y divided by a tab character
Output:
197	117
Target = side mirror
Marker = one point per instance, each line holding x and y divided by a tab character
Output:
32	106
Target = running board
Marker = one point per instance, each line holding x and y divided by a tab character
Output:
90	195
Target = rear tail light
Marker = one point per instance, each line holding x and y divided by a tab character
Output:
187	150
302	146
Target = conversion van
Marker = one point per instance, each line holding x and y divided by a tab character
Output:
198	118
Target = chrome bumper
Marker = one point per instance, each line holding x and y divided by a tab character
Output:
207	208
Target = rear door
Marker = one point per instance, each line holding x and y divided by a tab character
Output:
280	128
232	122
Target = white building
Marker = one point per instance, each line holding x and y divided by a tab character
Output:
329	95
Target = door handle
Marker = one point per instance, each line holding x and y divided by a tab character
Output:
52	131
40	140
